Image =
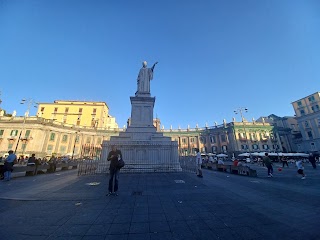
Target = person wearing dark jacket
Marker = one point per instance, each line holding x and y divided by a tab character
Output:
268	164
312	160
114	156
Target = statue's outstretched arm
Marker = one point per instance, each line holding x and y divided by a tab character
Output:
154	65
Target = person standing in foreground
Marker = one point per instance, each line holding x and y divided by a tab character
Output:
267	162
300	167
8	165
198	164
114	156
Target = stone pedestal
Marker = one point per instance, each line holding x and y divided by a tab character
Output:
143	148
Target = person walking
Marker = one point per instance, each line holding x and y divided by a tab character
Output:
267	162
198	164
300	167
312	160
8	165
114	156
284	161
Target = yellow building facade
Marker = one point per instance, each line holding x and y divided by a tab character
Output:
78	113
43	137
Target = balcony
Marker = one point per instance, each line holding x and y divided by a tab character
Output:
26	138
12	137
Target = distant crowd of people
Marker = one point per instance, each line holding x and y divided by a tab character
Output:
6	164
265	161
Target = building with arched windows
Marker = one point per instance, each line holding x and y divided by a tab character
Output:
78	128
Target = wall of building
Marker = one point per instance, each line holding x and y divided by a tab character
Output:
307	112
49	137
79	113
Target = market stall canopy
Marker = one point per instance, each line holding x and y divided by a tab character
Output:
222	155
258	154
244	155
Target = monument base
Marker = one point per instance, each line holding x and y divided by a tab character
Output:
157	154
143	148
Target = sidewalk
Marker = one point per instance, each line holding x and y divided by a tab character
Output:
160	206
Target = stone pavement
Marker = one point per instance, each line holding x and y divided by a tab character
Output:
162	206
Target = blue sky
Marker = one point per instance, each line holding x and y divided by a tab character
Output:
214	56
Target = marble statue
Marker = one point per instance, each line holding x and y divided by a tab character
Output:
144	78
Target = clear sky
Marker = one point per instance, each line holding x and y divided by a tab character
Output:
214	56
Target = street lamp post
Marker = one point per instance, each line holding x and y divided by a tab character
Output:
74	145
240	111
29	103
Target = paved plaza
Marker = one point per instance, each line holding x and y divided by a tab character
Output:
162	206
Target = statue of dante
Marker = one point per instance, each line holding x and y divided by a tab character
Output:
144	78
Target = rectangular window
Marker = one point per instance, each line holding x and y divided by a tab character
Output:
213	139
94	122
23	146
78	122
184	140
302	112
203	140
66	110
265	146
244	146
14	133
77	139
299	147
80	110
52	136
255	146
311	99
192	140
10	145
27	133
224	148
94	111
55	110
62	149
313	146
1	132
306	124
42	109
223	138
299	104
49	149
88	140
64	138
214	149
310	135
